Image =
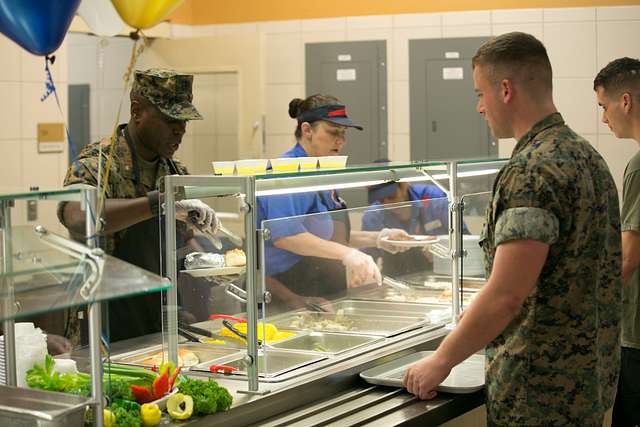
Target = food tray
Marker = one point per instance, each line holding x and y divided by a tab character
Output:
204	352
218	271
271	363
364	324
326	342
420	296
466	377
29	407
382	308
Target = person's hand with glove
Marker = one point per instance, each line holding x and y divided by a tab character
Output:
361	269
386	234
196	212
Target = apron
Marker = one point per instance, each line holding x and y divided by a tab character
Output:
141	246
321	277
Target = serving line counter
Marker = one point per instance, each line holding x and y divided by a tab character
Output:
290	357
331	392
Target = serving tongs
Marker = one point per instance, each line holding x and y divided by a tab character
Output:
227	324
439	250
315	307
398	285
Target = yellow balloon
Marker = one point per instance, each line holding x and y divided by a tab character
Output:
143	14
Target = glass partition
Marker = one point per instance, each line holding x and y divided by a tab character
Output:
474	186
322	269
313	276
210	276
472	270
52	287
46	277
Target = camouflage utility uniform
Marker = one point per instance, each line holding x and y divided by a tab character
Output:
557	362
131	177
124	181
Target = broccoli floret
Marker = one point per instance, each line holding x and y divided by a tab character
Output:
208	397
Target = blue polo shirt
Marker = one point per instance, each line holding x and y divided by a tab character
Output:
429	217
293	205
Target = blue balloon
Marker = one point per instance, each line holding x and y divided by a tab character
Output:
39	26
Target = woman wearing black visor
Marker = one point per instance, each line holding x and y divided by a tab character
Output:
317	256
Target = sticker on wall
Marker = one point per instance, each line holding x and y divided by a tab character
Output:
452	55
51	137
344	58
452	73
346	75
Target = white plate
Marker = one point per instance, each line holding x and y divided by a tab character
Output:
418	241
219	271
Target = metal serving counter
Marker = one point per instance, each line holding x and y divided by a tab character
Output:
334	394
331	393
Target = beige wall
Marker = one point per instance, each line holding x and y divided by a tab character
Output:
580	42
239	53
22	83
269	59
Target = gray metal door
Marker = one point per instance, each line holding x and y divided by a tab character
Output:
356	74
444	121
79	117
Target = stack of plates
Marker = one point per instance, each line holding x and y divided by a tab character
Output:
3	379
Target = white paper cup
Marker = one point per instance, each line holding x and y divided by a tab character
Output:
332	162
223	167
307	163
251	166
285	164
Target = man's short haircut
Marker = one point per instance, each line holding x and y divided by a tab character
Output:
619	76
515	56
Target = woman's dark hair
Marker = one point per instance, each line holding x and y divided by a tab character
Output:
298	106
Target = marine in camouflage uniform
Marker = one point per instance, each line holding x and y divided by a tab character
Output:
129	178
557	362
171	93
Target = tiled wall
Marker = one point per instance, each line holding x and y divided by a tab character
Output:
101	63
580	41
22	83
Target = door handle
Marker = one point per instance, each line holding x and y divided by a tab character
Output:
434	126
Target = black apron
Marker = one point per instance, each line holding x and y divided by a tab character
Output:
141	246
320	277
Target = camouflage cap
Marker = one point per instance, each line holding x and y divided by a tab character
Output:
169	91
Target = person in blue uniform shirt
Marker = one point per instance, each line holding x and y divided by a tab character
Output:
427	215
316	256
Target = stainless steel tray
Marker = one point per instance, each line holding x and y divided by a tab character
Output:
369	325
383	308
271	363
466	377
27	407
419	296
326	342
204	352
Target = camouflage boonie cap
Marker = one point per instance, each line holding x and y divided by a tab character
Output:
169	91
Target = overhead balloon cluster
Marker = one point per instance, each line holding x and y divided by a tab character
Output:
40	26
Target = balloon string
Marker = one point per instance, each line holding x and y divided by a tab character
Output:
50	88
136	51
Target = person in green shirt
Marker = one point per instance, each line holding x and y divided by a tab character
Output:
617	88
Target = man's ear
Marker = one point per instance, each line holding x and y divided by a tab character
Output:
136	110
627	102
506	90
